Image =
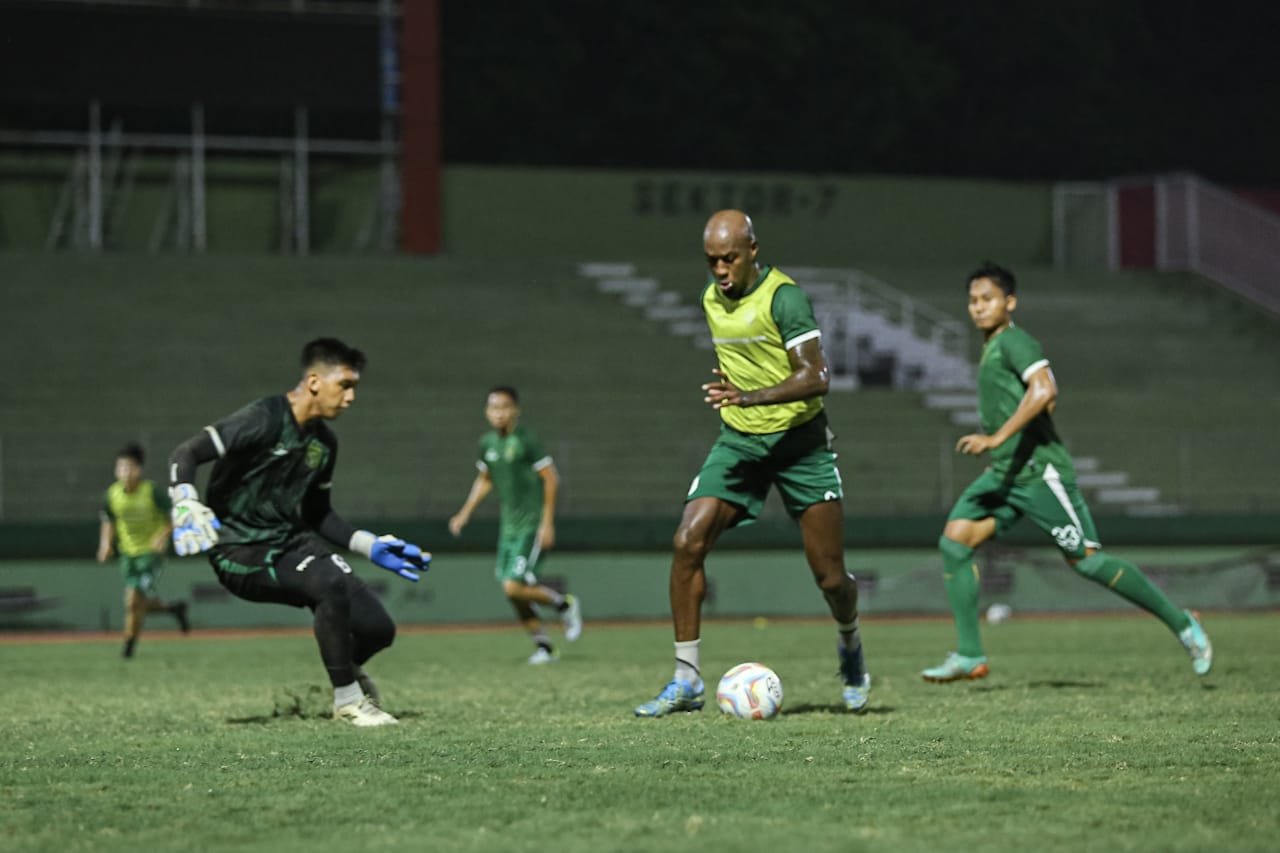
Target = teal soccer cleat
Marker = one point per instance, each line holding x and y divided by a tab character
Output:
1197	644
856	696
676	696
957	667
857	681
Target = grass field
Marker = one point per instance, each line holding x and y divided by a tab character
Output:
1091	734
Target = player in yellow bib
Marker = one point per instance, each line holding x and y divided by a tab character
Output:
135	524
769	385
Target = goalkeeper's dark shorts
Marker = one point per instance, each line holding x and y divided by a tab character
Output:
300	574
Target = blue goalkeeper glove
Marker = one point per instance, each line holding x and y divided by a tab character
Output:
395	555
195	527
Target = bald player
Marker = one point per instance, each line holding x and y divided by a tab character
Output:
768	388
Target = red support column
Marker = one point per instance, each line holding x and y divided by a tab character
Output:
1137	217
421	225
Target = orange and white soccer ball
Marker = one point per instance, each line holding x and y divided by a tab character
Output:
751	691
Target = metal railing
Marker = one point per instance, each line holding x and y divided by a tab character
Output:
1209	230
932	349
95	177
1199	227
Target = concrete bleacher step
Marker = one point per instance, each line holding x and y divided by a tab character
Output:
1101	479
674	312
1128	495
605	269
627	285
1155	510
951	400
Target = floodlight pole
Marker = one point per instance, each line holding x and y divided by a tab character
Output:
198	224
95	176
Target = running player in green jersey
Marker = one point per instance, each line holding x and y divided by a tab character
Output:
1031	475
271	532
769	385
135	524
513	463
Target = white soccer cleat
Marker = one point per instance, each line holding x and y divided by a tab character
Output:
541	656
572	618
364	713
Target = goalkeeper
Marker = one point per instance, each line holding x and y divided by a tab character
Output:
270	531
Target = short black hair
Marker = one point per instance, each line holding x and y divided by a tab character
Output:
133	451
1002	277
506	389
332	352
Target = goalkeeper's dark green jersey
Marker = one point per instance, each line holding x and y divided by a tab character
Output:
513	462
268	467
1008	361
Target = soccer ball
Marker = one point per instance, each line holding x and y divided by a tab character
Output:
751	691
998	613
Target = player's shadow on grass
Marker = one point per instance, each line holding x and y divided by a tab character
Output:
268	719
833	708
311	702
1053	683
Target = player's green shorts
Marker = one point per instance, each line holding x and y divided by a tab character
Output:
741	467
1053	504
141	572
518	554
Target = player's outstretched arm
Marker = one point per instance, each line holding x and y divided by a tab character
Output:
393	554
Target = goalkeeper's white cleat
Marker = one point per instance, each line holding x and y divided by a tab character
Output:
364	713
572	617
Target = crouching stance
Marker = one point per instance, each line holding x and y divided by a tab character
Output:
269	530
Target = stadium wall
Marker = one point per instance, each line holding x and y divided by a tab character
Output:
601	215
460	589
71	540
824	219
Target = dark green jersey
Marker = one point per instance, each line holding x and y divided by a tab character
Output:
513	462
267	467
1008	361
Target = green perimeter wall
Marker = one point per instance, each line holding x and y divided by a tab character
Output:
568	213
617	215
460	588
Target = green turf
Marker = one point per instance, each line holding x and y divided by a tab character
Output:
1090	734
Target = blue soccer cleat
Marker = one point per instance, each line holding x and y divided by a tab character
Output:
676	696
857	681
1197	644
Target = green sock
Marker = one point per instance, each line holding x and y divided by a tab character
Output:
1124	578
960	574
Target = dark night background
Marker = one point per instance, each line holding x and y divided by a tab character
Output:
1066	90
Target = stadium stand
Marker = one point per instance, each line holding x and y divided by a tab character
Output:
1164	379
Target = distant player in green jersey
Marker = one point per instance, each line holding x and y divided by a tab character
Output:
513	463
769	385
1031	475
135	524
269	528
